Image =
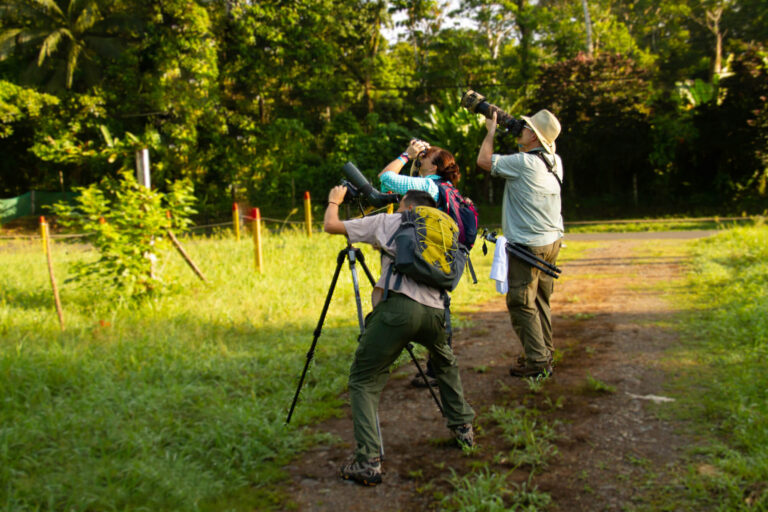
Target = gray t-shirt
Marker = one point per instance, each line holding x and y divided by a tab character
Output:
377	230
531	209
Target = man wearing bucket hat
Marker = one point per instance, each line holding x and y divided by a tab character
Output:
531	217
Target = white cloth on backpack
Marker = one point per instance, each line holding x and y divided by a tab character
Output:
499	265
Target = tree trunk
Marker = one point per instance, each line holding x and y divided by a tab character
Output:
588	27
525	40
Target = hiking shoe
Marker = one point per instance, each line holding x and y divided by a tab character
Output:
365	473
522	361
418	381
531	371
464	435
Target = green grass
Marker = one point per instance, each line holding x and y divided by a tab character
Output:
721	373
176	402
653	225
529	437
490	491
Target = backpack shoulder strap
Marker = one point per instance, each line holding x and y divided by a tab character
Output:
404	218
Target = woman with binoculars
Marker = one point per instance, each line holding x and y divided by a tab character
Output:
432	163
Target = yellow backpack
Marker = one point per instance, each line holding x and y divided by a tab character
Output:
428	249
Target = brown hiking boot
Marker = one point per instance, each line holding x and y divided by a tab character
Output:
522	361
364	473
464	435
418	381
531	371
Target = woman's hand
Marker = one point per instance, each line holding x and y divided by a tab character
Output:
416	147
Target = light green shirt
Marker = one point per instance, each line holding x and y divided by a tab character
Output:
531	209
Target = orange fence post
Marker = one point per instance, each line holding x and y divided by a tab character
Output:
236	220
256	228
308	213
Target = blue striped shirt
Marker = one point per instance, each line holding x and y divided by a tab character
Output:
400	184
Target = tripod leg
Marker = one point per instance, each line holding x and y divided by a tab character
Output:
318	330
356	284
409	348
381	441
361	259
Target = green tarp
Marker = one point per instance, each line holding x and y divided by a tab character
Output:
32	203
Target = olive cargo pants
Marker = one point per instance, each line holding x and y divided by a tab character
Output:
388	328
528	304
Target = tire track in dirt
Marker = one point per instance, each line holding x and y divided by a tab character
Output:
606	311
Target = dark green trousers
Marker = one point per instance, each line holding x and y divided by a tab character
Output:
528	304
388	328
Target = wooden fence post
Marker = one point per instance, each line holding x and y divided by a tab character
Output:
44	234
236	220
47	251
256	229
308	213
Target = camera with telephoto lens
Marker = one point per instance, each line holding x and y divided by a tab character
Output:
476	102
360	188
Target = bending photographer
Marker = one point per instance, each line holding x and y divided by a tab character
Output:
435	165
531	216
415	312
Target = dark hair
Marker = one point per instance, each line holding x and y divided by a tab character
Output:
446	165
418	198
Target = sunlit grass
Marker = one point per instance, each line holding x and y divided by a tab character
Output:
721	367
180	399
655	225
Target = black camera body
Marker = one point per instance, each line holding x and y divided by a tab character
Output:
476	102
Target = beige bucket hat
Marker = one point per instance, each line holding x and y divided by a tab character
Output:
546	127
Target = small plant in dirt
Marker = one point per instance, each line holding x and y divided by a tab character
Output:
558	403
489	491
530	438
594	385
128	224
536	384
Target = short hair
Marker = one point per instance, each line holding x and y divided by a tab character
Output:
418	198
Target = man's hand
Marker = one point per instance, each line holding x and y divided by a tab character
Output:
331	222
484	156
337	193
490	123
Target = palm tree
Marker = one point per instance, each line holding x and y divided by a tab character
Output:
61	28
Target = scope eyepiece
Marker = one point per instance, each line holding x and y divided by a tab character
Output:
366	190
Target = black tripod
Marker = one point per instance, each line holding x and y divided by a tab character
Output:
522	253
353	254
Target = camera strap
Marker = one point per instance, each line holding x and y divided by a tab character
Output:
549	165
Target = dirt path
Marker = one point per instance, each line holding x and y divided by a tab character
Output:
606	312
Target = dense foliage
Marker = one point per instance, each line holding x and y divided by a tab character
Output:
663	105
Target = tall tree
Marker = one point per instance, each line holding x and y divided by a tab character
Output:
63	33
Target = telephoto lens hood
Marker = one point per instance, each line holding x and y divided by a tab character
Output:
476	102
371	195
